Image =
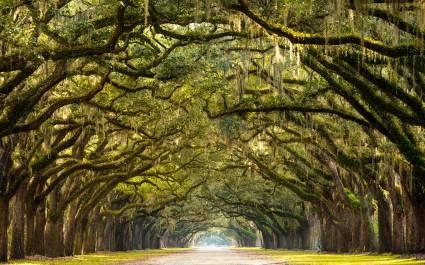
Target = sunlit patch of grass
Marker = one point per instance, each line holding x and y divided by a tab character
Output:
99	258
314	258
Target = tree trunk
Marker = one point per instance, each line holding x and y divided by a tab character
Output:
366	240
267	239
146	235
90	239
126	237
81	235
119	236
332	242
343	239
30	229
131	230
146	241
107	234
137	233
420	227
398	214
398	232
156	242
409	221
18	225
78	243
54	228
384	223
418	199
53	239
70	231
69	240
4	223
324	235
276	239
61	245
305	237
40	224
100	236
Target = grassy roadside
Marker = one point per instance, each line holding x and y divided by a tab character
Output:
314	258
98	258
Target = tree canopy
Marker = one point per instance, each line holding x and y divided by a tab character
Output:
143	124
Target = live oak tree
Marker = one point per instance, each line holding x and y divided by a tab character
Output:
160	120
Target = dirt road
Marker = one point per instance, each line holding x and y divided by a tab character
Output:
219	256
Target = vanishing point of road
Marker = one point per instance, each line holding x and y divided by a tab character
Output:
207	256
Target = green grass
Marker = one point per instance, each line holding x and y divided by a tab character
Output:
314	258
289	256
98	258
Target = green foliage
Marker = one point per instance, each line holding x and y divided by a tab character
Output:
245	115
231	126
354	200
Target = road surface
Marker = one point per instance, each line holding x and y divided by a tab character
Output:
218	256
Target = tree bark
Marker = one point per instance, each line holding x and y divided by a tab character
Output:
54	229
53	239
4	223
267	239
157	242
398	231
276	239
146	235
119	236
398	214
384	223
70	231
61	245
137	233
90	239
146	239
107	234
412	201
305	237
30	229
343	238
355	228
324	235
418	199
420	227
332	239
366	241
40	224
410	243
100	236
78	243
18	225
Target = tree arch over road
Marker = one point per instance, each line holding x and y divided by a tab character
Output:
135	124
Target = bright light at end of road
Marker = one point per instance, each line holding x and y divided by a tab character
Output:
212	247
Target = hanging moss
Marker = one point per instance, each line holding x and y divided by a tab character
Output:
353	199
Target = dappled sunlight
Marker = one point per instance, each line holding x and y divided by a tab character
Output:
151	124
314	258
101	258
